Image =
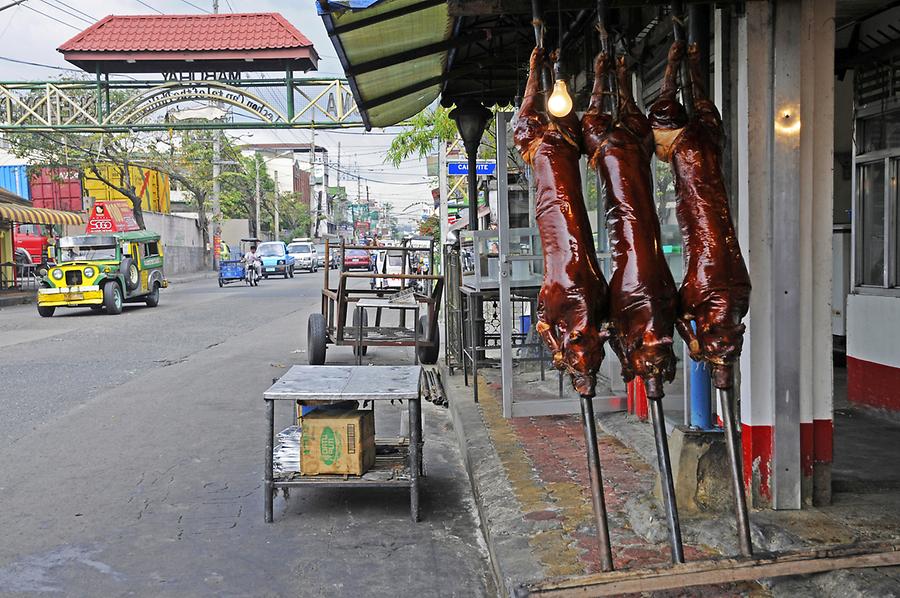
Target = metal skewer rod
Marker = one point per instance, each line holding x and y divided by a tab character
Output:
687	97
537	20
655	396
610	100
732	444
599	501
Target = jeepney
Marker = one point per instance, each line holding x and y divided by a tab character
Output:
104	271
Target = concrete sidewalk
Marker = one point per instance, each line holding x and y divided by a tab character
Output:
529	477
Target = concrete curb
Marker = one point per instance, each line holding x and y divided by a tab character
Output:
512	560
192	276
18	299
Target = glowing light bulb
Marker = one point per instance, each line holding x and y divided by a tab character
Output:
560	102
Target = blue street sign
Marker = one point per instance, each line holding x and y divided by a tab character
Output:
483	168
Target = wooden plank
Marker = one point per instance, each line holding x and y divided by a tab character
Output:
713	572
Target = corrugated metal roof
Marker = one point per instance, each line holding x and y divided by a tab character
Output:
175	33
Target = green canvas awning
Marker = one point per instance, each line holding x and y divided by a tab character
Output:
393	52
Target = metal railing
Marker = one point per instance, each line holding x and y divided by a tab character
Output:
453	312
19	277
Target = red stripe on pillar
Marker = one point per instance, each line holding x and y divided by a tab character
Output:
757	445
806	449
873	384
823	443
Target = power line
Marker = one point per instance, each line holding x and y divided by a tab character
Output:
47	66
200	8
57	68
67	5
142	3
11	4
43	14
12	17
67	12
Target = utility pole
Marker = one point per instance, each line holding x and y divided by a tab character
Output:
216	171
258	195
277	207
315	185
442	183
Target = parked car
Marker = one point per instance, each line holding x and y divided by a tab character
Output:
305	255
275	259
103	271
357	259
320	254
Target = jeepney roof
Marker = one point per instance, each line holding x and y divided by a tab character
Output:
111	239
88	241
138	235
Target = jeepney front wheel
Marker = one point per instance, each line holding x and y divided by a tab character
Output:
112	298
316	339
46	311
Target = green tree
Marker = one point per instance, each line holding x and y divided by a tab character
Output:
431	227
239	191
426	129
104	156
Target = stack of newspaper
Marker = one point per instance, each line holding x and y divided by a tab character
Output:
287	453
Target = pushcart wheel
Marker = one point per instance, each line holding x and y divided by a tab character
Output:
428	354
365	323
316	339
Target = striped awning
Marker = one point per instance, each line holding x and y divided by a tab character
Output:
27	215
392	51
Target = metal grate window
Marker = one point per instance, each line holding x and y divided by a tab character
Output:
877	83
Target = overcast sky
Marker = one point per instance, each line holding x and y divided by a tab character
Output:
29	36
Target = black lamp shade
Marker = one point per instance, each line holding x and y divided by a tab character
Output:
471	118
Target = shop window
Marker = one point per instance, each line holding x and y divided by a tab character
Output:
871	229
879	132
666	200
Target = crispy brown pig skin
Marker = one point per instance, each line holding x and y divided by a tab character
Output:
643	296
572	302
715	292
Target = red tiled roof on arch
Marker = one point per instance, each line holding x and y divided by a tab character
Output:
148	43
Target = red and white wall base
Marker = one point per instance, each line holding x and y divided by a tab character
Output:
873	351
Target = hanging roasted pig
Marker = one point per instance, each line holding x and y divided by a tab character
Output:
642	294
715	293
572	302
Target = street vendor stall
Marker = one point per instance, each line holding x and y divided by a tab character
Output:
397	462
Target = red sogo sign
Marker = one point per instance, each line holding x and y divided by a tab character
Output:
113	216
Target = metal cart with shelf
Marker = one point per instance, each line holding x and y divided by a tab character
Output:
398	462
329	327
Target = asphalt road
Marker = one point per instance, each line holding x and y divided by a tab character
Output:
131	460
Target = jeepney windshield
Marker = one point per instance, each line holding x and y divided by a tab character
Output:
88	253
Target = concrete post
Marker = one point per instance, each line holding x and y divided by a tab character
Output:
784	141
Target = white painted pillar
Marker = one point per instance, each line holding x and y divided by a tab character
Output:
785	141
818	185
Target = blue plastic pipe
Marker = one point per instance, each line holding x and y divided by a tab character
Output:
701	394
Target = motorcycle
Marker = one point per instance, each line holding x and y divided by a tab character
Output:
254	269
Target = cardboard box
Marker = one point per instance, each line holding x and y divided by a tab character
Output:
337	442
